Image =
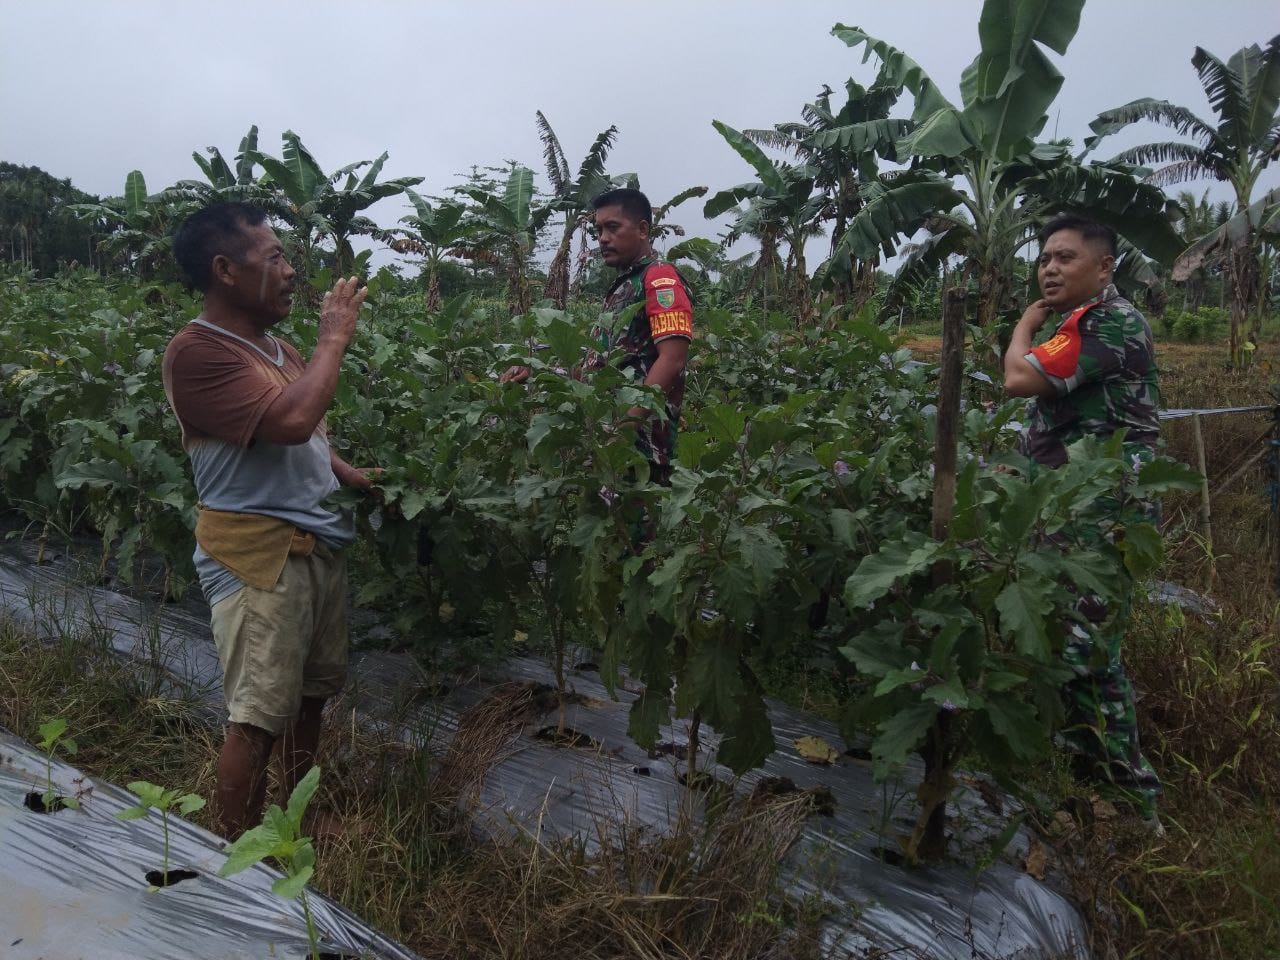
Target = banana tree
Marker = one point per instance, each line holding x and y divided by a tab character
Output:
504	231
141	225
842	146
1244	93
436	231
317	208
978	180
222	183
572	197
782	206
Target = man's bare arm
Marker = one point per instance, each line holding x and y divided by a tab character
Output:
294	415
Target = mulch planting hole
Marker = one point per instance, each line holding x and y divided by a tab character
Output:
568	737
34	802
157	879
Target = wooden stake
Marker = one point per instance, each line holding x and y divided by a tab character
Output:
929	838
944	442
1206	515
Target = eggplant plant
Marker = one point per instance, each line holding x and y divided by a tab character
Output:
279	836
53	739
153	797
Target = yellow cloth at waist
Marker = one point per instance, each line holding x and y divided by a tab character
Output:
251	546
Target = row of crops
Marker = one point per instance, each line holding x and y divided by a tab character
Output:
795	529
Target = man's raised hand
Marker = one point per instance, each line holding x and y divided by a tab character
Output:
515	375
339	310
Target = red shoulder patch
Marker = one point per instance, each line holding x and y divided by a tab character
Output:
667	303
1060	355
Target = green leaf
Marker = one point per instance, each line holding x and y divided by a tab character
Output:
899	735
133	813
190	803
50	731
648	713
998	681
1018	725
1019	514
896	678
712	673
724	422
288	888
763	166
897	560
844	527
1008	88
301	796
1143	549
251	847
135	194
761	551
748	743
1163	475
1023	606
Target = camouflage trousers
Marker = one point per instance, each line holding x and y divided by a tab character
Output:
1101	720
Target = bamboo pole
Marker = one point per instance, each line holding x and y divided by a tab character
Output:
1206	514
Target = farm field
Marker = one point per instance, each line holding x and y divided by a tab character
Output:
849	533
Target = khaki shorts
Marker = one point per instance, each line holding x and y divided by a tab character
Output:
278	646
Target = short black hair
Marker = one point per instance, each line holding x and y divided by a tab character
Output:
633	203
1091	230
217	230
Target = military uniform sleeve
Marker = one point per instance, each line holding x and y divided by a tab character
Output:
217	391
1088	348
667	303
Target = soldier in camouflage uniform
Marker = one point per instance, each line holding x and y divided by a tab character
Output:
654	345
650	297
1096	375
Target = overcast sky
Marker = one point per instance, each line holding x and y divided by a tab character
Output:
91	89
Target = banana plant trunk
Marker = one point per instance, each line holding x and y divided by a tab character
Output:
557	287
1242	269
432	299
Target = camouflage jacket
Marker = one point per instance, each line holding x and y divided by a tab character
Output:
1101	362
664	311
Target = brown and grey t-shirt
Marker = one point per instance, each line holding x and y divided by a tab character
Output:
219	386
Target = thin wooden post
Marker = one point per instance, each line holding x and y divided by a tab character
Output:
945	438
1206	514
929	838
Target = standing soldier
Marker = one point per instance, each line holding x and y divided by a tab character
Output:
1096	375
268	552
655	343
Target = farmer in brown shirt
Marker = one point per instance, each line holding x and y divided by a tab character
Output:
269	553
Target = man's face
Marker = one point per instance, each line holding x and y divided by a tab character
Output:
1072	270
623	240
263	277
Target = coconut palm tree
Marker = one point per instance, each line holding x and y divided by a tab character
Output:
1244	94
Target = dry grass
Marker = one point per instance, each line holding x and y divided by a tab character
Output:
407	857
1209	710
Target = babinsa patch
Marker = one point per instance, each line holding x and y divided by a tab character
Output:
664	291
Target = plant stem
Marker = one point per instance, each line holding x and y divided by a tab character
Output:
311	927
